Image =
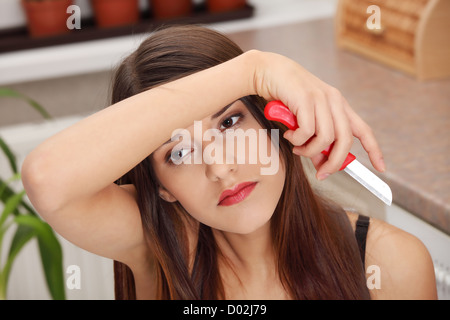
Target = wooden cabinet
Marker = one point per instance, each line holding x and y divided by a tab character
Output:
414	35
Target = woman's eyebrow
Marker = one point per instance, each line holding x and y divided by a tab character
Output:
221	111
167	142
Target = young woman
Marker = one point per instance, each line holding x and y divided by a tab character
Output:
117	185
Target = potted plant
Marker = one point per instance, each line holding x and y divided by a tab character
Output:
46	17
16	212
165	9
224	5
111	13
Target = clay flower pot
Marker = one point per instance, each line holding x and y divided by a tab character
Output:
46	17
224	5
112	13
165	9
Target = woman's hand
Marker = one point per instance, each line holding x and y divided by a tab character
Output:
323	114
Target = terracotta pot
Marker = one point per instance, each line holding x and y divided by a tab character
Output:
111	13
164	9
46	18
224	5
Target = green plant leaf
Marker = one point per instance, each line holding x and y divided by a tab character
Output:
23	234
9	155
6	92
4	184
51	254
6	192
10	205
28	208
29	224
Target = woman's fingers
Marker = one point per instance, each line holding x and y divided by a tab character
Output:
331	125
347	125
361	130
324	129
343	136
323	114
306	120
331	120
318	160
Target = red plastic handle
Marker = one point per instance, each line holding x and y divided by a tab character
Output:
277	111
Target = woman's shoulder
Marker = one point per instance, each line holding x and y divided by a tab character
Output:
398	265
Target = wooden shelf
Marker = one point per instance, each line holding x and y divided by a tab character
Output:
16	39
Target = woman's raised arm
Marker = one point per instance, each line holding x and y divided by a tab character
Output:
69	178
90	155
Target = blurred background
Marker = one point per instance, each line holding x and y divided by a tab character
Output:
392	65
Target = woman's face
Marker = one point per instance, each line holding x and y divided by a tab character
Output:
214	171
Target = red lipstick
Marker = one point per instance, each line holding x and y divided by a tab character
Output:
236	194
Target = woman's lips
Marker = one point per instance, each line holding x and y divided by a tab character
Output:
238	193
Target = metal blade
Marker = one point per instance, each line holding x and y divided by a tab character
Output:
369	180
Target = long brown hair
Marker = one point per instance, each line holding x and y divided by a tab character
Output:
315	249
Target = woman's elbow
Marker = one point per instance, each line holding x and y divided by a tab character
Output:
40	184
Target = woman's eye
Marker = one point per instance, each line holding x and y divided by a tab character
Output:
229	122
176	156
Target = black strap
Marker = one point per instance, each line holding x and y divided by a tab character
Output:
362	226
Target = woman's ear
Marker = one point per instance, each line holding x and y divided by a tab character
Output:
166	195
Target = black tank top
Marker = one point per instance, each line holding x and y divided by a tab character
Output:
362	226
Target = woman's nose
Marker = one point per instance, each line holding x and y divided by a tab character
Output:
219	162
220	171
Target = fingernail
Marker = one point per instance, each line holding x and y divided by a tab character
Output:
323	176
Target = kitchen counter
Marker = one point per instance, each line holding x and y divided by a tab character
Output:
411	119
